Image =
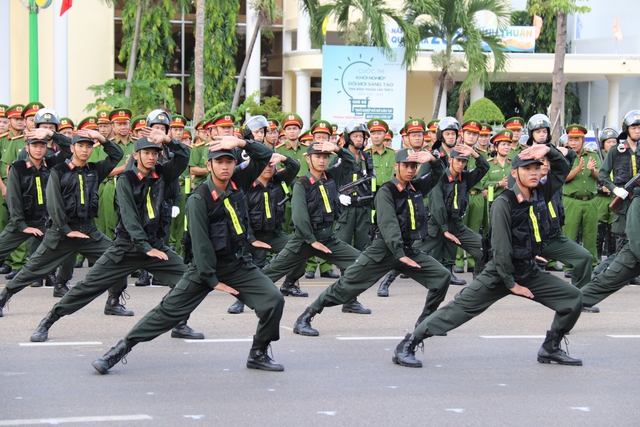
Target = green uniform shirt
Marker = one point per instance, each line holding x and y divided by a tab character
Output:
11	151
583	184
632	228
494	175
17	220
295	153
203	266
55	202
299	213
198	159
383	164
515	151
127	146
129	215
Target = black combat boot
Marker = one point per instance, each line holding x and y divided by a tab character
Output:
454	280
593	309
182	330
354	306
610	241
155	281
259	358
114	307
111	357
551	351
144	279
51	279
405	352
383	290
12	274
5	269
37	284
60	288
42	332
303	323
5	296
236	308
290	288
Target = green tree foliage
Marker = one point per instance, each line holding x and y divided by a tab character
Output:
527	99
484	110
146	95
270	107
220	47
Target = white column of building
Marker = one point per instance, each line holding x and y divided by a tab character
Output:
5	52
303	96
60	61
477	92
252	78
613	112
303	40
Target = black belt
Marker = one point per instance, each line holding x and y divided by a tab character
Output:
584	199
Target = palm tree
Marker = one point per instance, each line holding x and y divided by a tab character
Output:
374	14
455	23
198	108
267	14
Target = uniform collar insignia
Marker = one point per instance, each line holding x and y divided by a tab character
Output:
154	175
520	198
215	195
234	186
312	180
72	166
29	164
140	176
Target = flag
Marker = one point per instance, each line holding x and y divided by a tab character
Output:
616	28
578	28
537	23
66	5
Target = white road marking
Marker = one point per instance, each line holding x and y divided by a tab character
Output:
221	340
25	422
456	410
581	408
367	338
52	343
624	336
512	336
287	328
327	412
195	417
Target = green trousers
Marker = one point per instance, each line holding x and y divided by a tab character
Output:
45	259
353	226
470	241
488	288
256	291
373	264
565	250
342	255
177	225
474	219
624	267
115	265
107	216
278	241
582	215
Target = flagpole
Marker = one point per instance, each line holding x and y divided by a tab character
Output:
34	84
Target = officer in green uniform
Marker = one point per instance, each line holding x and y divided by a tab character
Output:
476	209
4	131
519	219
401	219
140	193
432	129
11	146
105	127
334	133
72	193
177	125
29	114
626	265
217	221
66	127
314	207
138	123
120	118
484	139
448	202
514	124
198	158
579	192
383	157
271	137
605	241
496	179
26	200
353	225
265	202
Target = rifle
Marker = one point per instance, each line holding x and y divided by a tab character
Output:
285	200
351	186
628	187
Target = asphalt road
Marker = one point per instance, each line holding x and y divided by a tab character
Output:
484	373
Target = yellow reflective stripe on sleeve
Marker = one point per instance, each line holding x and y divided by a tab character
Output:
81	181
267	209
634	166
551	210
285	187
490	193
115	180
412	213
185	224
373	216
374	184
150	211
327	205
455	196
534	223
355	177
187	185
234	216
39	190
